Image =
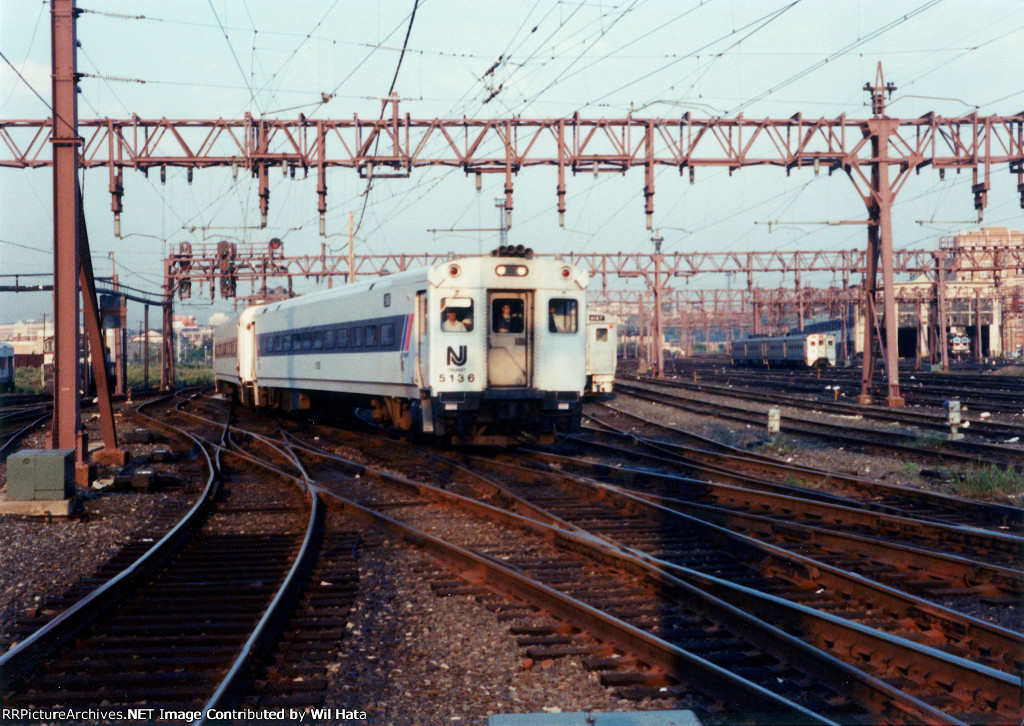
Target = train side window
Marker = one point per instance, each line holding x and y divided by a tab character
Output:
307	341
456	314
601	335
563	315
370	336
387	334
287	340
318	340
329	338
342	337
355	337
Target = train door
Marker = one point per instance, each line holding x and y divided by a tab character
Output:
419	344
600	347
509	334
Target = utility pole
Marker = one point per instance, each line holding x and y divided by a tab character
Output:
656	289
66	428
879	201
351	248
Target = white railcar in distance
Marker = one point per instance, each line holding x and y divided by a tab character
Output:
479	350
6	368
602	352
801	349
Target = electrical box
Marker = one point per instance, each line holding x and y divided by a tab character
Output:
41	474
952	412
774	419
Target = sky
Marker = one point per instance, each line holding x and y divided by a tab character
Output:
659	58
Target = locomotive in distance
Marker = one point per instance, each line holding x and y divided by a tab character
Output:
807	350
487	350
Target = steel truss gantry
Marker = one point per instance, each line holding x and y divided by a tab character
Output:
876	154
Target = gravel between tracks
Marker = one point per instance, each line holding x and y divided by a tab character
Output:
412	657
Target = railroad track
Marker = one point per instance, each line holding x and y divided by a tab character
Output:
652	475
750	387
617	596
965	452
977	392
652	627
179	628
695	455
17	423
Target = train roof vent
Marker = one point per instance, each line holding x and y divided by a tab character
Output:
512	251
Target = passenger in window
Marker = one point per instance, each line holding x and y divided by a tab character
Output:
451	323
507	322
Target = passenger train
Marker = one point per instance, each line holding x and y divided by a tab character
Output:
800	349
477	350
602	353
6	368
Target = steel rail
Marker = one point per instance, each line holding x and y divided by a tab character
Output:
731	458
822	512
28	654
8	445
235	681
789	564
921	419
670	658
828	431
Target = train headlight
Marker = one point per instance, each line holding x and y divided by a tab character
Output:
512	270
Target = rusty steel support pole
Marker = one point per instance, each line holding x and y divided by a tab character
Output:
145	349
560	189
977	325
321	177
351	248
870	282
66	423
880	201
922	332
940	293
649	182
642	357
111	454
167	346
656	289
890	312
799	301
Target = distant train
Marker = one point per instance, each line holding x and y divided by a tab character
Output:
602	352
800	349
959	345
6	368
478	350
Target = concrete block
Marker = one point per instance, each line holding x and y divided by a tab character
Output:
40	507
